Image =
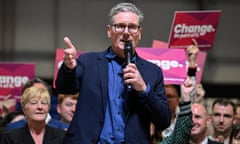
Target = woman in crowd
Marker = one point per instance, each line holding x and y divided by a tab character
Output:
35	104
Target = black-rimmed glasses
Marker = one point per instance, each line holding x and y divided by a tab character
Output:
120	28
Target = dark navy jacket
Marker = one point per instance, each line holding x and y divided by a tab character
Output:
90	78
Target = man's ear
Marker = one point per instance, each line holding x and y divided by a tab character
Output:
140	35
109	35
209	120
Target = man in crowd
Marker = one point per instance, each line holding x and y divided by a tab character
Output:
66	106
201	123
223	119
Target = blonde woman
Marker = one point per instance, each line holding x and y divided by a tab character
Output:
35	104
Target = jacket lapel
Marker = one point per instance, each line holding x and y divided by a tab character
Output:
26	136
102	65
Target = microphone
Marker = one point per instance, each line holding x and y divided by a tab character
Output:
128	52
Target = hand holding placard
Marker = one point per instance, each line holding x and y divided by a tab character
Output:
192	52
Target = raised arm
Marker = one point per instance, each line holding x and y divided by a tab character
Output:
66	81
183	126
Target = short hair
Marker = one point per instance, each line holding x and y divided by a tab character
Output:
31	82
125	7
224	102
61	97
33	92
174	86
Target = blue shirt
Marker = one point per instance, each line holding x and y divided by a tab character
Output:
113	131
114	123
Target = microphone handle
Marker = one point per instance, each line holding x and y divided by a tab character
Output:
128	50
128	60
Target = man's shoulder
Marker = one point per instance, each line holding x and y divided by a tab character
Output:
57	124
17	124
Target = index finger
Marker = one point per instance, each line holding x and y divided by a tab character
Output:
68	42
194	42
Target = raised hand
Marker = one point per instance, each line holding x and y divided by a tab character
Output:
192	52
70	54
186	90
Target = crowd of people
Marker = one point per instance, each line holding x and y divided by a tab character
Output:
105	99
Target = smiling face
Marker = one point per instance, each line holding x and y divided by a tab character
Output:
35	103
201	121
118	39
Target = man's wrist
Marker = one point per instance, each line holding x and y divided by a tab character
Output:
192	70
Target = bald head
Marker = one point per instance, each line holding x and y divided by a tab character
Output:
201	121
199	108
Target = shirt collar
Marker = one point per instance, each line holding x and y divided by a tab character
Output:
111	56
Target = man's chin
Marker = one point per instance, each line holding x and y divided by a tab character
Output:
194	131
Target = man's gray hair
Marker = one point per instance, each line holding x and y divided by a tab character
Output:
125	7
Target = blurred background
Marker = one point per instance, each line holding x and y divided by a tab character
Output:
32	30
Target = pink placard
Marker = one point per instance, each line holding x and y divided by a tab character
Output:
201	60
12	77
59	61
171	61
199	25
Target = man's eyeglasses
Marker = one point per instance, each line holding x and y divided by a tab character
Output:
120	28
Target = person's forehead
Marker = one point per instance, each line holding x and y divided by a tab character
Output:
38	98
171	92
198	109
69	98
223	108
125	17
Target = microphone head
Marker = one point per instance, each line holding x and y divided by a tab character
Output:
128	47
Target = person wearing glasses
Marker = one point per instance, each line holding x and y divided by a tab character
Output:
118	100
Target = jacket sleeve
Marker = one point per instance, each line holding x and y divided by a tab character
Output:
183	126
68	80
